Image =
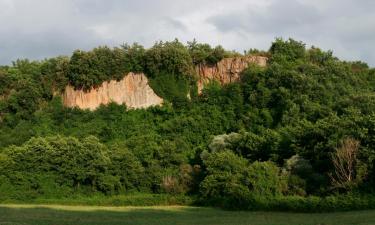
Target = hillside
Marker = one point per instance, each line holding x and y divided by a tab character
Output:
134	90
290	128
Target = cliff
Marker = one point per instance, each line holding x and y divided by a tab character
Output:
135	92
227	70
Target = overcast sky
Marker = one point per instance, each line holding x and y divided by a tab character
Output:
37	29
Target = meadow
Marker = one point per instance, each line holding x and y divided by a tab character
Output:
17	214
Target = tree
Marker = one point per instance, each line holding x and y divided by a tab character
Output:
264	179
127	167
199	52
344	161
169	57
225	176
290	49
134	57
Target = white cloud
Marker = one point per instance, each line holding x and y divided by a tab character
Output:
43	28
6	7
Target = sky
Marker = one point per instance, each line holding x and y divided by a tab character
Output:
38	29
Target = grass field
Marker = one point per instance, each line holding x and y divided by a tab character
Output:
89	215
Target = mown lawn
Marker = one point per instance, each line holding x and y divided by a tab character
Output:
89	215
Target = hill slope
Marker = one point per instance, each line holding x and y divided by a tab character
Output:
296	134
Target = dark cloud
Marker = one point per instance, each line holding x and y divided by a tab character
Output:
44	28
44	44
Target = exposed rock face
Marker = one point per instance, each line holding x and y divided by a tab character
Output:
227	70
133	90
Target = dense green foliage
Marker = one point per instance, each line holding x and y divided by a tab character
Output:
204	53
265	142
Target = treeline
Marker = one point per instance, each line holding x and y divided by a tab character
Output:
91	68
298	134
168	65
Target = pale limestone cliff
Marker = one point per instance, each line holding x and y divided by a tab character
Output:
227	70
133	91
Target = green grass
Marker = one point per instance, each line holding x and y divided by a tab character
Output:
181	215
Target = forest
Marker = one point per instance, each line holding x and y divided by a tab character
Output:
298	134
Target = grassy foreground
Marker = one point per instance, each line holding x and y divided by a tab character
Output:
89	215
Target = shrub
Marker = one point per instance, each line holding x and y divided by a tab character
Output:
127	168
264	179
290	49
69	162
230	182
171	185
169	57
224	182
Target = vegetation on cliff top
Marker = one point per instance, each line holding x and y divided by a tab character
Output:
297	134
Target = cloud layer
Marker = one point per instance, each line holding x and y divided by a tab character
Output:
37	29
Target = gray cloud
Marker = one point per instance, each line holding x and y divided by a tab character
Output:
37	29
281	16
347	27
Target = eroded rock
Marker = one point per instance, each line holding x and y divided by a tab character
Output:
227	70
133	90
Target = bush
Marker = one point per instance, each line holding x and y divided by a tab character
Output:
174	89
168	57
311	204
231	183
224	182
205	54
66	160
264	179
171	185
290	49
127	168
